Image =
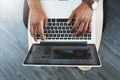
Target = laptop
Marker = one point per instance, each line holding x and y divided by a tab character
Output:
62	48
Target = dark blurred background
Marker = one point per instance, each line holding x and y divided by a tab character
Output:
14	45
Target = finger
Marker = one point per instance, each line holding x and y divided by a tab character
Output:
89	26
46	23
76	24
32	31
86	26
35	28
70	18
41	30
80	30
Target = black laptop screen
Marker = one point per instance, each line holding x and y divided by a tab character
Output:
71	54
62	55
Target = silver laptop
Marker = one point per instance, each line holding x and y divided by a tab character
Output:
62	48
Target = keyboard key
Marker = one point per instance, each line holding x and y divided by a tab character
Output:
59	27
62	20
66	35
53	38
72	24
57	24
56	31
49	24
68	31
55	35
50	35
89	35
49	20
63	27
51	27
45	31
64	31
58	35
53	20
52	31
70	35
55	27
57	38
48	31
73	38
62	35
65	24
60	31
53	24
89	38
67	27
48	38
85	35
69	38
47	35
61	24
81	37
65	38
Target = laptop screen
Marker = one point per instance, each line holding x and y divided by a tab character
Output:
62	55
71	54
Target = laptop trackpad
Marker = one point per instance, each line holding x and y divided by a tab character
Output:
62	55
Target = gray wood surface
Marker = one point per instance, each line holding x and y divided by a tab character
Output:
13	48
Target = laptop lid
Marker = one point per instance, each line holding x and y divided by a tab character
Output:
62	55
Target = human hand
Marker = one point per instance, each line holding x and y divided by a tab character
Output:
83	17
38	22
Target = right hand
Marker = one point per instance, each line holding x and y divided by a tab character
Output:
38	22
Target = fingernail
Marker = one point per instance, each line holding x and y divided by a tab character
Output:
36	40
67	22
44	38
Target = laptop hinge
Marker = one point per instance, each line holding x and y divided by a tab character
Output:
63	43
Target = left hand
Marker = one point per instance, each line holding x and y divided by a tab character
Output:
83	17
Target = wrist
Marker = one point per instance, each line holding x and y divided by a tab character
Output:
85	3
88	2
34	4
93	4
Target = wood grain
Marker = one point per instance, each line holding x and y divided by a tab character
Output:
14	45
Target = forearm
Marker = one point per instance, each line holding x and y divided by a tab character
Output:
33	3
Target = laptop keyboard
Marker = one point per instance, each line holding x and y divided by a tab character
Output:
59	30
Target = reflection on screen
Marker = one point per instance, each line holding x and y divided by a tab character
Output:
71	54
